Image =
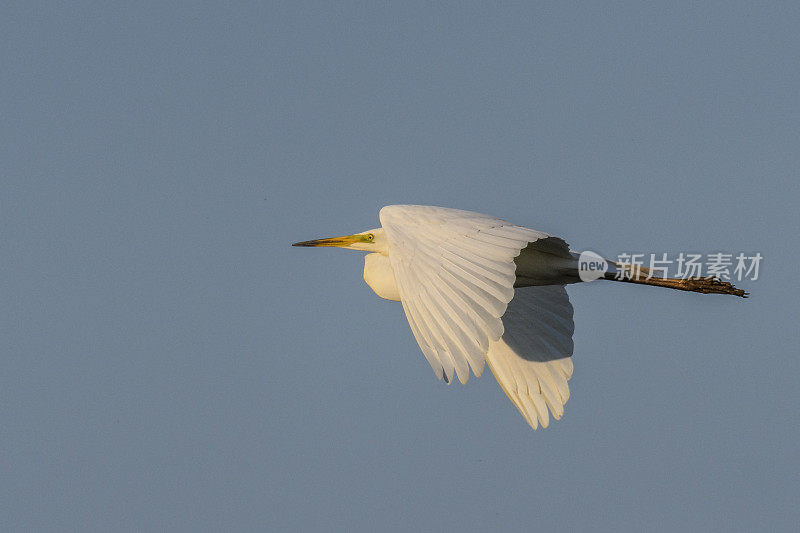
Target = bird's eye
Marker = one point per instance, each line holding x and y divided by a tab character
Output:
370	236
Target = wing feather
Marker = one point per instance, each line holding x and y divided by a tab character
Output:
465	253
463	333
532	361
455	273
424	345
429	331
445	337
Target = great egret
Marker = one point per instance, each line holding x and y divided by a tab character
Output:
478	289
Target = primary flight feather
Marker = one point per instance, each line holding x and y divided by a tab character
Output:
477	289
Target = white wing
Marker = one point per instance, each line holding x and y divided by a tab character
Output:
532	361
455	273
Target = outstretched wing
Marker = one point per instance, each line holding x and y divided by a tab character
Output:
455	273
532	361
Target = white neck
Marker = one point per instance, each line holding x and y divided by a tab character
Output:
379	275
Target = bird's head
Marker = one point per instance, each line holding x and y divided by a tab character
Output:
373	240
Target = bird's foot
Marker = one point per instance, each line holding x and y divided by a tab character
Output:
710	285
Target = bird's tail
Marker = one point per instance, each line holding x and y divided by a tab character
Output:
638	274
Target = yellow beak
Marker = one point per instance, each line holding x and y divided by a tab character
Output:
332	241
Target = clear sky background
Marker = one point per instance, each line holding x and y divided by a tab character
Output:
168	361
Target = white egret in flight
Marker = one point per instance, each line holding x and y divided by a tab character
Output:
476	289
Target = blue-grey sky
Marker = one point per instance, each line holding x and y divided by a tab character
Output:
169	362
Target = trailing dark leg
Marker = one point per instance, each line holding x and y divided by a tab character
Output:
707	285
